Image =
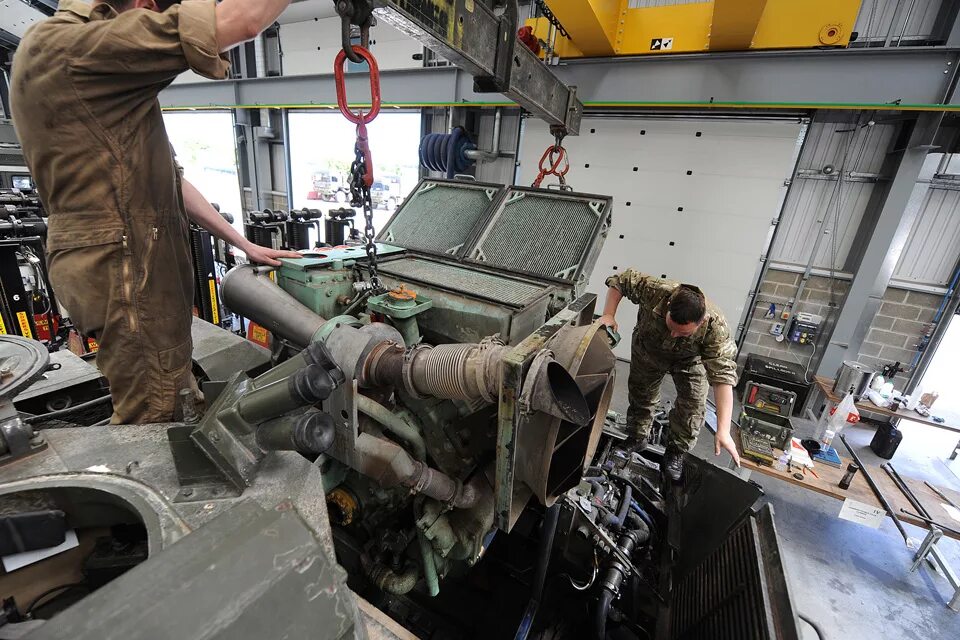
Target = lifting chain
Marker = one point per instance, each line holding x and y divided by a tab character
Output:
554	161
361	169
552	19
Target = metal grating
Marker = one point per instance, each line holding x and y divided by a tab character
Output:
465	280
546	235
724	597
439	218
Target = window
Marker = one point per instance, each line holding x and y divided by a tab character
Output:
206	149
321	150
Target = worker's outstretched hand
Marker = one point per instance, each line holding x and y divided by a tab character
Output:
610	321
263	255
725	442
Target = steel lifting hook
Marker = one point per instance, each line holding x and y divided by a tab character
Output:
360	13
360	117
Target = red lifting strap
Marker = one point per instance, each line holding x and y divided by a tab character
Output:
360	117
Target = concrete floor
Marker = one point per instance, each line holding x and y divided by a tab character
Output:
853	580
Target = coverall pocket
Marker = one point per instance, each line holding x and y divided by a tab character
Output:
176	367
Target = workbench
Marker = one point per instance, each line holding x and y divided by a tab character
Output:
827	480
825	386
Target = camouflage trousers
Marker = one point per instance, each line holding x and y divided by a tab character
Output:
643	387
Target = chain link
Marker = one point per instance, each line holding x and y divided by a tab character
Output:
552	19
360	197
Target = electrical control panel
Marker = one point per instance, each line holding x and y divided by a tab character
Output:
804	328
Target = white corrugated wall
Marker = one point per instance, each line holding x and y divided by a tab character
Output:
815	202
902	21
933	246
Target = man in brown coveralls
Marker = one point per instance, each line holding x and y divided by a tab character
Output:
681	333
84	92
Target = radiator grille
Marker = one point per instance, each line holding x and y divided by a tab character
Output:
464	280
438	218
724	597
541	234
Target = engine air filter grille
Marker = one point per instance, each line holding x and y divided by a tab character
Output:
543	234
439	217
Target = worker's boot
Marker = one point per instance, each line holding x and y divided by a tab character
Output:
672	465
638	444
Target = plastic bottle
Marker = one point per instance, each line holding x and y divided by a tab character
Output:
827	439
782	462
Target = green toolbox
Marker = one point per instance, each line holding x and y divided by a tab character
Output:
766	413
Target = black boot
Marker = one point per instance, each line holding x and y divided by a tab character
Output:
672	465
638	444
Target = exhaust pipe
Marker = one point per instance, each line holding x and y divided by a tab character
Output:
252	294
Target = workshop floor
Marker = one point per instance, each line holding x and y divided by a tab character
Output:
853	580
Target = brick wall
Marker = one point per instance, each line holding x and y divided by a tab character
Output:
897	330
778	288
894	334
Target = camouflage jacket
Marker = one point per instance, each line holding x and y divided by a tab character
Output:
711	344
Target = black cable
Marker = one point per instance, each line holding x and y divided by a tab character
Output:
816	627
64	588
63	412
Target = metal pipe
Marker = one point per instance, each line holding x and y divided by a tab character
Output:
942	495
394	424
474	372
429	565
914	500
931	521
249	292
390	465
906	19
489	156
876	489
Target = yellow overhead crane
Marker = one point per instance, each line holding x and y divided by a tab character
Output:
612	28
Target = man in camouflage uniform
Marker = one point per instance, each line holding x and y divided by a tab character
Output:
681	333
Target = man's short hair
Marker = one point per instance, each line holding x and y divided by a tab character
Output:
687	305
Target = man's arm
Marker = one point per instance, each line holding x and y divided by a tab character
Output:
723	396
242	20
609	316
628	284
203	213
718	354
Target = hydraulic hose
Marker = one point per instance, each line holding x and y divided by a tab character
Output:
388	580
547	533
429	565
601	613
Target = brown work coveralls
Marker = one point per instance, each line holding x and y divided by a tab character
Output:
695	362
84	93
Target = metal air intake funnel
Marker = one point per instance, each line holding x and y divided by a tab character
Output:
251	293
551	389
